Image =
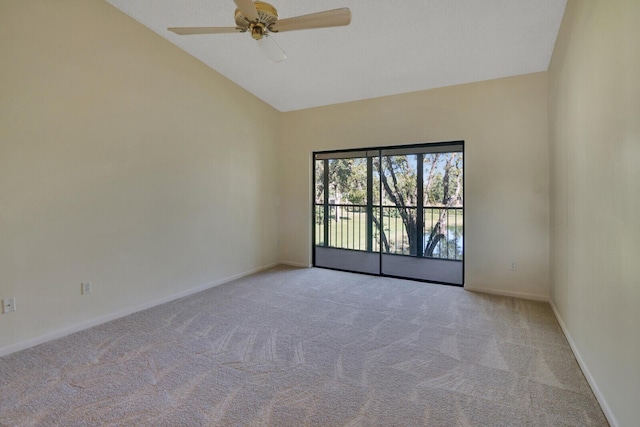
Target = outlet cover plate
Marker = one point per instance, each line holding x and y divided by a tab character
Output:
85	288
8	305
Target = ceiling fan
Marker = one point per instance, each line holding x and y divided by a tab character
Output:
261	19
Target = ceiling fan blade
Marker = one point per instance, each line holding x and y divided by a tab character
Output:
185	31
328	18
248	9
270	48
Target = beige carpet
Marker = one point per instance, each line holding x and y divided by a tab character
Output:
308	347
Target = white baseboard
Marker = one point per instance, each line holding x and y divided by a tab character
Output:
523	295
296	264
585	370
77	327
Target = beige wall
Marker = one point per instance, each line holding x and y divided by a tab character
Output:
504	125
594	121
123	161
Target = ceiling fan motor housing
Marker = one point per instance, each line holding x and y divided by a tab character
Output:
267	14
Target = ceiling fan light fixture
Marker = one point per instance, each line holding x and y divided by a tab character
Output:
270	48
257	30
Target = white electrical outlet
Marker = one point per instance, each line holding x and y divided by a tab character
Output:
514	266
8	305
86	288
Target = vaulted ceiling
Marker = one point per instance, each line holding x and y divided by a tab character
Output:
389	47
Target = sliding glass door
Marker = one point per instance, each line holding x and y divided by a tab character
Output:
394	211
344	211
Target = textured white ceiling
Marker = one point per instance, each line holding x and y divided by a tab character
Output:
389	48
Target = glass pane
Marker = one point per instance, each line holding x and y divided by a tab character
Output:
399	179
378	237
348	181
399	182
395	227
319	181
376	181
443	179
349	231
437	242
443	199
319	225
347	220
